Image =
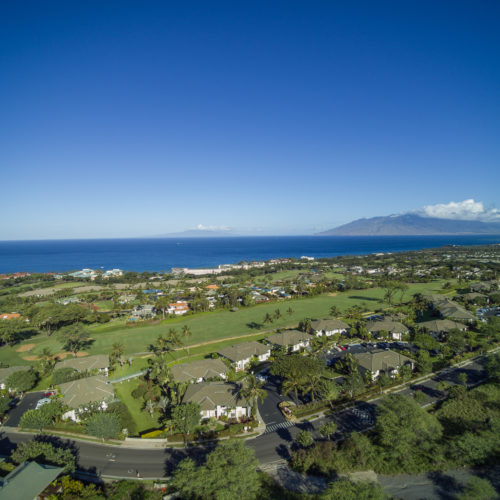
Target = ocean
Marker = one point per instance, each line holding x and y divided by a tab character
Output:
161	254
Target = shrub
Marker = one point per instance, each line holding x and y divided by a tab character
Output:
63	375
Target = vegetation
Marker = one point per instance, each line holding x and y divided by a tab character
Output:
230	471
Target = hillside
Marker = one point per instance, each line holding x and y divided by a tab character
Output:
411	224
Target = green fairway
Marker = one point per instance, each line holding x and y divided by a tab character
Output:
213	326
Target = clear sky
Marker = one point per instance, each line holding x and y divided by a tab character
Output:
269	117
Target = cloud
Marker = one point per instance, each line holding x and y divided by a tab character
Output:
201	227
461	210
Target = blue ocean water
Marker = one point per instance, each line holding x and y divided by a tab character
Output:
161	254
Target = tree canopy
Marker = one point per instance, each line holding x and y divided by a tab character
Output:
230	472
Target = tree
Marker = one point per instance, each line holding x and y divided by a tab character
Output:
62	375
253	390
353	384
230	472
35	419
456	341
493	367
187	334
478	489
47	361
289	311
404	372
305	325
4	404
186	417
304	439
21	381
404	429
74	338
343	489
462	379
277	314
390	288
383	380
424	362
349	364
117	351
268	318
311	385
46	453
150	407
159	370
334	311
103	425
329	391
162	304
328	429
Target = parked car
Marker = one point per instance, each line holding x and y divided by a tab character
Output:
42	402
48	394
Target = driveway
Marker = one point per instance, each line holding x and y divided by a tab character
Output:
27	403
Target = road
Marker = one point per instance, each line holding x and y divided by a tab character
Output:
271	447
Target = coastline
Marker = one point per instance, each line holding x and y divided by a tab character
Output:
163	254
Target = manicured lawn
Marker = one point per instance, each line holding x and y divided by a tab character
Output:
144	422
216	325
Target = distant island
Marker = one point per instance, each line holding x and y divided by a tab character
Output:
199	233
412	225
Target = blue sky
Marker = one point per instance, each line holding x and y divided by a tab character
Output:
268	117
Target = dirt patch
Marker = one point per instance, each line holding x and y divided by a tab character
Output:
30	358
333	294
25	348
81	354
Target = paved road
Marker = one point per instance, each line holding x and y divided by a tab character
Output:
270	448
96	459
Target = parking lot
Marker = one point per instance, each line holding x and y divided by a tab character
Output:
28	402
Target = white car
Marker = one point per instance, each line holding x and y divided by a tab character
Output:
42	402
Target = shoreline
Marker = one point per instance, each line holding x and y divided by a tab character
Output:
162	255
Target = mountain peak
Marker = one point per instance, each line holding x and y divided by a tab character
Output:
412	224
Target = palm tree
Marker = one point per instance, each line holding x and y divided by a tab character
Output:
268	318
173	338
47	361
311	385
117	350
289	311
253	390
293	384
277	314
150	407
163	404
186	332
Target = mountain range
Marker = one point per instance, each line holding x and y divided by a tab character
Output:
412	224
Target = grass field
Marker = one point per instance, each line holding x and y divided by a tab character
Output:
142	418
213	326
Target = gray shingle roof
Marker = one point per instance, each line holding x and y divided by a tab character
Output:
86	390
288	337
379	360
204	368
243	351
387	325
209	395
98	361
328	325
440	325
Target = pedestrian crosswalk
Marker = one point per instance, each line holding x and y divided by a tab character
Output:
275	427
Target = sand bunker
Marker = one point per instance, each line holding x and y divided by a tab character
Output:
25	348
30	358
